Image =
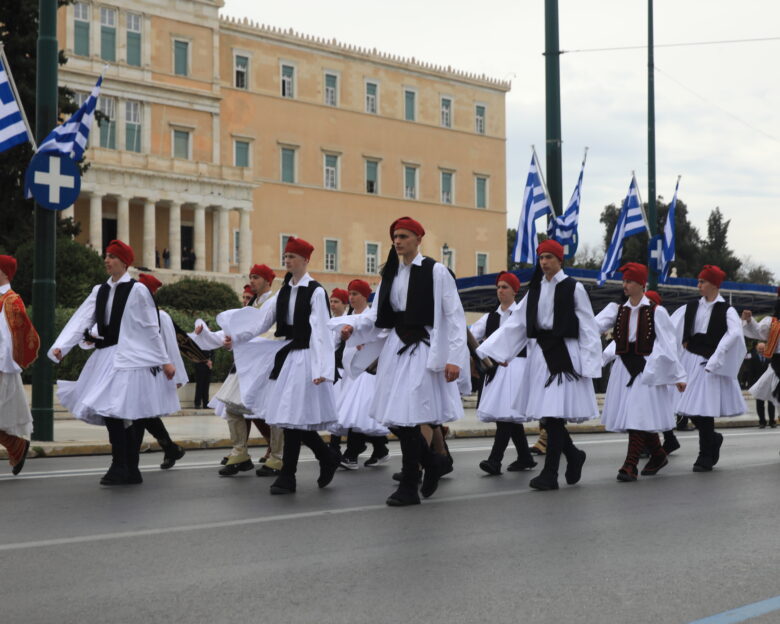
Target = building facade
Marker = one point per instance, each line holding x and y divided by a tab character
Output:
226	137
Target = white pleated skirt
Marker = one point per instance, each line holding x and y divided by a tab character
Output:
763	388
15	416
571	400
407	393
352	405
128	393
254	362
229	397
500	395
641	407
707	394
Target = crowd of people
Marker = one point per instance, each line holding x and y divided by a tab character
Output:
400	366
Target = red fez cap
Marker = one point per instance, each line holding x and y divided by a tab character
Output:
713	274
360	286
122	251
407	223
550	246
509	278
8	266
634	272
248	289
263	271
299	247
340	294
653	296
150	281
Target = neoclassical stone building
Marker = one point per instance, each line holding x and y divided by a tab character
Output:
226	137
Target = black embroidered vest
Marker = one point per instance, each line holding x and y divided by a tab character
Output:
110	332
419	298
565	323
645	332
705	344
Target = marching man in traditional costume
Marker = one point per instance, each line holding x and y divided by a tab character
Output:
646	367
709	333
127	378
502	385
423	367
555	320
19	344
297	395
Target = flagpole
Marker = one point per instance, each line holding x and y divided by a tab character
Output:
11	81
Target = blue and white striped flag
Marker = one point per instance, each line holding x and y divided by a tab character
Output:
70	138
564	228
13	130
536	204
667	256
631	220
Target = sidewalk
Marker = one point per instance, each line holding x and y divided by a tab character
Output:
201	429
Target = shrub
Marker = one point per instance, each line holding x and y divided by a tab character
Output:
191	294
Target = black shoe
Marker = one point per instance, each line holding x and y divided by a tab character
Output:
670	445
762	425
375	461
283	485
627	473
18	467
521	464
116	475
703	464
224	461
772	424
262	460
447	466
574	467
265	471
172	454
535	451
233	469
134	477
397	476
432	475
403	497
328	468
491	467
716	448
543	483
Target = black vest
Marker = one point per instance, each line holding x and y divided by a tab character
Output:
300	331
565	322
493	323
419	298
110	331
705	344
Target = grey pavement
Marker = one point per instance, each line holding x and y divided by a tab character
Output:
188	546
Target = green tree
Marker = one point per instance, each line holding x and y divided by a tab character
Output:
755	273
716	250
197	294
18	33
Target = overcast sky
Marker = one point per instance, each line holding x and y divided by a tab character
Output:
717	106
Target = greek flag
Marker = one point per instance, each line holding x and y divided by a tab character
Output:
536	204
631	220
667	255
13	130
564	228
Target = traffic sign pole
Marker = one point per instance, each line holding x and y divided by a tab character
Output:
44	285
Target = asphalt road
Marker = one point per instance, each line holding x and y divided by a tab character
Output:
188	546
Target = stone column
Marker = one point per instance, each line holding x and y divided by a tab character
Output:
245	242
199	235
223	262
174	234
150	235
123	219
96	222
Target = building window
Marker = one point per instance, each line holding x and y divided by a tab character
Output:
133	126
107	106
372	177
181	60
372	96
448	257
331	171
181	144
241	154
108	34
446	112
481	191
283	238
241	71
331	89
288	81
288	165
410	105
482	263
410	182
134	39
446	187
81	29
479	119
372	258
331	254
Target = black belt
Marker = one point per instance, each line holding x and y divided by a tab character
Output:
410	335
556	356
100	343
633	361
